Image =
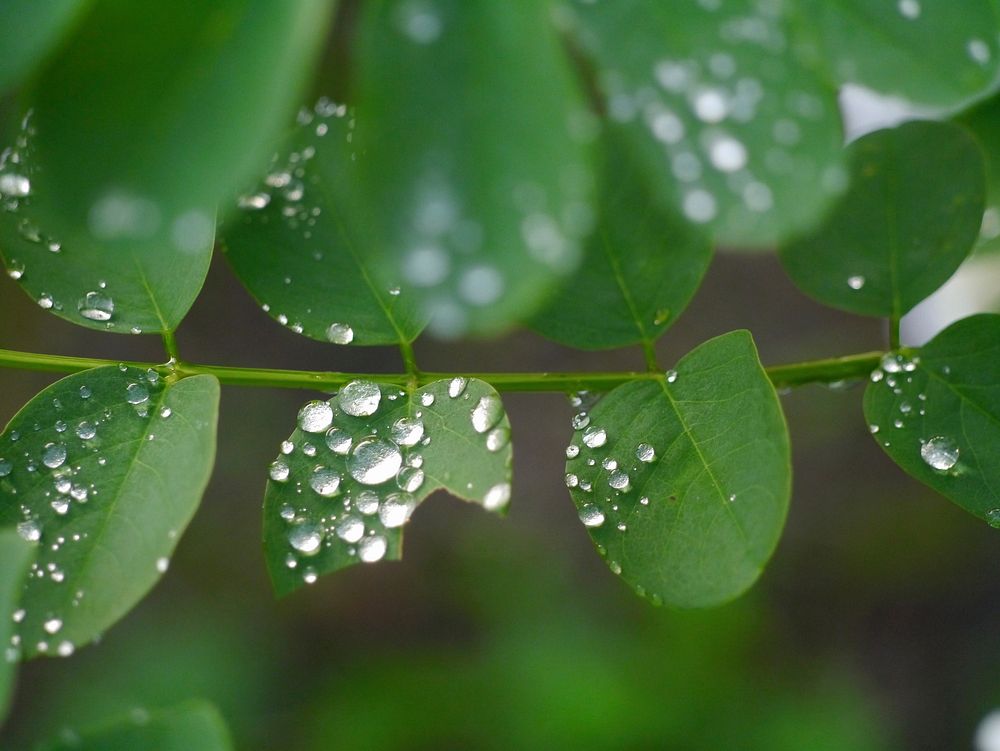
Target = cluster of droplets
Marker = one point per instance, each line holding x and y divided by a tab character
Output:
384	465
56	478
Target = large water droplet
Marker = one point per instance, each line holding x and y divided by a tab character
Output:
360	398
372	549
53	455
14	185
487	413
497	438
325	482
591	516
396	509
339	441
351	529
619	480
340	333
315	417
410	479
497	497
96	306
136	393
407	431
306	538
279	471
456	386
374	461
645	453
86	430
367	502
594	437
30	530
940	452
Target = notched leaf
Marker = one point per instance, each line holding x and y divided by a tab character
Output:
357	466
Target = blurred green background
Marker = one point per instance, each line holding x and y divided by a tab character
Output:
875	626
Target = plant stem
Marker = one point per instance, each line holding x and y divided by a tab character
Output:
170	345
894	332
852	367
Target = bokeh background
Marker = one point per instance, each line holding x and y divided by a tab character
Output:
875	626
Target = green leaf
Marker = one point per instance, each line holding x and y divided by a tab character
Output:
28	32
294	248
357	466
642	264
104	469
16	554
683	482
936	413
721	108
934	52
909	219
193	726
475	166
128	146
984	123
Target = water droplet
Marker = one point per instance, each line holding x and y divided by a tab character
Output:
136	393
410	479
254	202
591	516
727	154
374	461
360	398
671	376
993	518
306	538
909	8
609	463
279	471
572	480
456	387
60	506
856	282
52	625
315	417
580	421
487	413
351	529
572	451
407	431
497	438
162	564
594	437
53	455
85	392
96	306
940	452
645	453
497	497
339	441
45	301
309	575
367	502
15	269
14	185
396	510
86	430
619	480
372	549
427	398
165	412
6	467
325	482
340	333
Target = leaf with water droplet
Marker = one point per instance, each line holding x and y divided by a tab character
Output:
302	257
192	726
642	264
910	217
28	31
948	442
476	211
104	509
930	52
669	526
729	119
131	145
16	555
387	455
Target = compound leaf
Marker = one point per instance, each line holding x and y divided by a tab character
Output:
477	211
104	469
641	268
936	413
300	255
683	481
909	219
730	120
357	466
193	726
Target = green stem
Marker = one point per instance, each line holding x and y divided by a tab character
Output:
649	350
830	370
170	345
894	332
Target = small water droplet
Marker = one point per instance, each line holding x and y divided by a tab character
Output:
487	413
497	438
993	518
591	516
351	529
52	625
407	431
856	282
305	537
427	399
53	455
96	306
940	452
86	430
671	376
85	392
410	479
367	502
339	441
315	417
580	421
594	437
456	387
396	509
360	398
45	301
279	471
374	461
162	564
645	453
325	482
572	480
619	480
572	451
6	467
497	497
136	393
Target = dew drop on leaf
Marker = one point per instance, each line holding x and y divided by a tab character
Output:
340	333
96	306
497	497
306	538
374	461
53	455
325	482
339	441
367	502
351	529
396	509
591	516
372	549
940	452
315	417
360	399
645	453
407	431
279	471
136	393
594	437
456	387
487	413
